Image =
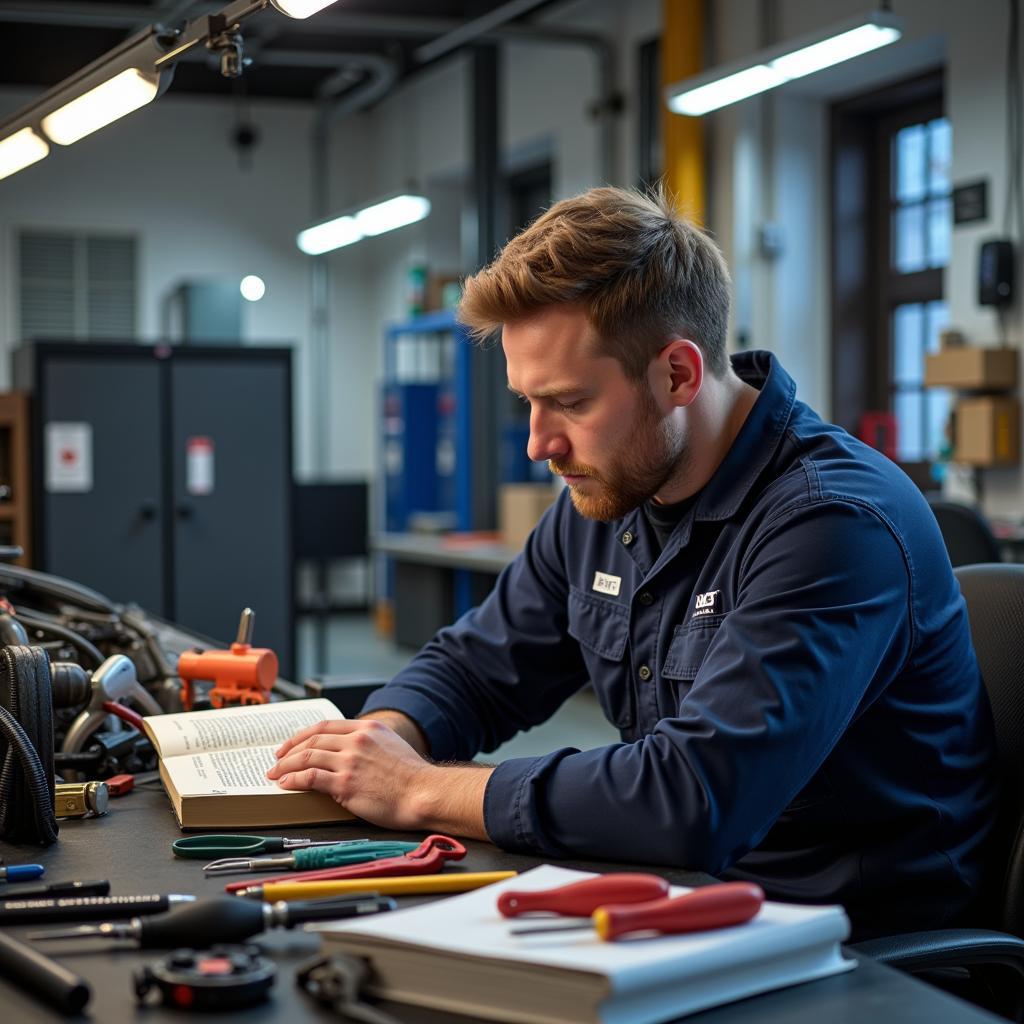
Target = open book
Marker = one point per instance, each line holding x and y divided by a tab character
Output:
214	763
457	955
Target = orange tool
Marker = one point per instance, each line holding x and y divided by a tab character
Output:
241	675
714	906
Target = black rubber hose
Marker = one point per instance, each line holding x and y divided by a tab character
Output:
56	588
44	625
37	823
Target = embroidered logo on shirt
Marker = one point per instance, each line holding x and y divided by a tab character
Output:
706	604
606	584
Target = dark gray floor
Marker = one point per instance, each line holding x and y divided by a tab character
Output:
354	648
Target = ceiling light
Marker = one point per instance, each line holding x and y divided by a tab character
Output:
391	214
126	78
252	288
729	83
396	212
301	8
19	150
120	95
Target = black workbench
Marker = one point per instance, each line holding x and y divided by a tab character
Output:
132	847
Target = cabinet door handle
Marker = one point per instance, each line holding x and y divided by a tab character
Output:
185	511
147	511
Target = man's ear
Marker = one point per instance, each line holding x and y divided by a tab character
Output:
678	372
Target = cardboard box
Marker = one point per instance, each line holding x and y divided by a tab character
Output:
972	367
520	507
987	431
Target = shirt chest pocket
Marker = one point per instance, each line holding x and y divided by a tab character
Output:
601	627
688	647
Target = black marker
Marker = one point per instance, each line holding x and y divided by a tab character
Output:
87	908
22	965
57	889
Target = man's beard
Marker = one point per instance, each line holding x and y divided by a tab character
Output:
643	463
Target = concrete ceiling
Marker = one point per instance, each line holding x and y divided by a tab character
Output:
340	49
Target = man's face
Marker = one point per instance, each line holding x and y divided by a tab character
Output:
600	431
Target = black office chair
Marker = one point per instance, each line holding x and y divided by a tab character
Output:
992	954
969	538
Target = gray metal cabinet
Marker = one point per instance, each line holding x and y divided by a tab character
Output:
163	477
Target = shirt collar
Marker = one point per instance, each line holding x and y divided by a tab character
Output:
758	439
754	447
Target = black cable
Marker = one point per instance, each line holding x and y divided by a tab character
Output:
21	754
45	625
26	722
55	588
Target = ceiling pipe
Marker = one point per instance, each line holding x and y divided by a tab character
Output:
472	30
389	26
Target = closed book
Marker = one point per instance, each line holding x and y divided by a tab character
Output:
458	955
213	765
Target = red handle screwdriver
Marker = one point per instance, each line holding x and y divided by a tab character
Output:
583	898
715	906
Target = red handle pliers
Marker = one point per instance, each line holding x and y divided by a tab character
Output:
428	858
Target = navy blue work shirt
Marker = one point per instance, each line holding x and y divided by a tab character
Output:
792	677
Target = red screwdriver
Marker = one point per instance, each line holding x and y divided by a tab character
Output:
714	906
581	899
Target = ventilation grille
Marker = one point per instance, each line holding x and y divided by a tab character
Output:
76	286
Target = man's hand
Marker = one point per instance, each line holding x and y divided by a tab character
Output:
373	772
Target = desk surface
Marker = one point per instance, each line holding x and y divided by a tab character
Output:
131	847
428	549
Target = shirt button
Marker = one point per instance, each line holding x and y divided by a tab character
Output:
646	599
644	673
627	538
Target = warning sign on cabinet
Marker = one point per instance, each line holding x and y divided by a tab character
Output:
68	457
199	465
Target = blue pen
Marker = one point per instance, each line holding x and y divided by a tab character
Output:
21	872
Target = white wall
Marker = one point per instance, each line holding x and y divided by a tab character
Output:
782	176
169	174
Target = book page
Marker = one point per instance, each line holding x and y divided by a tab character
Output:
224	773
255	725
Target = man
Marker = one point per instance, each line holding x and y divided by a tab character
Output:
763	604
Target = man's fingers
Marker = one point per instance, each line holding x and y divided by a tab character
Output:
308	778
298	760
337	727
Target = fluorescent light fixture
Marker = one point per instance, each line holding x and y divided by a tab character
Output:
20	150
300	8
729	83
396	212
128	77
120	95
252	288
391	214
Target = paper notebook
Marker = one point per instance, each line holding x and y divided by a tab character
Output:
457	955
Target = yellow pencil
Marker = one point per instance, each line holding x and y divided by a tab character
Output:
404	885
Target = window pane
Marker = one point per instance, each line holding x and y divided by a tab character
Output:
940	404
939	216
941	155
908	235
908	408
937	314
908	345
910	163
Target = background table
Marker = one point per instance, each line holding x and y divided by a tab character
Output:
132	847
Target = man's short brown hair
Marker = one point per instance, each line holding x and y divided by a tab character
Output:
641	272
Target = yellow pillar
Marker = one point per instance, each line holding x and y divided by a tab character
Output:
682	46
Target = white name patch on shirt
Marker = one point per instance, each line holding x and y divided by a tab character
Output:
706	604
606	584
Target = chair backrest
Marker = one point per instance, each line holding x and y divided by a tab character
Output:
969	538
995	607
330	520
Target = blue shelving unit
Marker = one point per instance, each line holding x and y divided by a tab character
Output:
427	436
